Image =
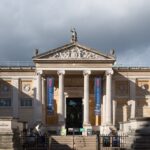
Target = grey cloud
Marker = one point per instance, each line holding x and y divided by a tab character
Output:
123	25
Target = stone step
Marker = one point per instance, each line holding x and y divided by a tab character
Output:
5	146
113	148
141	144
85	148
61	148
70	148
142	140
78	142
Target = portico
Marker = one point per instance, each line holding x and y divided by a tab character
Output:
86	77
73	68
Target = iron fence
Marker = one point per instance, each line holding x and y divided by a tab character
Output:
103	142
35	142
106	142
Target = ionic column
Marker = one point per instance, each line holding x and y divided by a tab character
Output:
61	97
108	97
86	97
38	106
125	113
132	110
114	104
104	110
114	112
15	102
132	101
104	103
43	101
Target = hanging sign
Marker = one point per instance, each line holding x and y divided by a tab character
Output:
97	93
50	95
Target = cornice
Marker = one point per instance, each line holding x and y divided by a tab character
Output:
73	61
16	68
132	69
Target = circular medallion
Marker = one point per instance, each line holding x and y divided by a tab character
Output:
26	88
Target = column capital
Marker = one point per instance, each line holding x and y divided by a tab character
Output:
43	79
39	72
124	106
61	72
86	72
130	102
109	72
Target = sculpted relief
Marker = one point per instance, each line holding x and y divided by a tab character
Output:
76	53
142	87
26	88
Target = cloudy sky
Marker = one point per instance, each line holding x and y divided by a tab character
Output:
45	24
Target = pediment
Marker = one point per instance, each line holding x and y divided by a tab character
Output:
73	52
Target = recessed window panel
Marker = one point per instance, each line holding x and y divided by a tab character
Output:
6	102
26	102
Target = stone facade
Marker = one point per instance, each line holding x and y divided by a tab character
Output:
125	90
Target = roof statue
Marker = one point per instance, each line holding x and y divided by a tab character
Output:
36	52
74	35
112	52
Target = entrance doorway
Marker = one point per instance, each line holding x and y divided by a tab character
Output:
74	115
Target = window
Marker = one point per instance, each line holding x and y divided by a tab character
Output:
5	102
26	102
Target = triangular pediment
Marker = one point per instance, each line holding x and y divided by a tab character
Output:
73	52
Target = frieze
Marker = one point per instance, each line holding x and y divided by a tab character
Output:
76	53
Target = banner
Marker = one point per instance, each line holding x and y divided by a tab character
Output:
50	95
97	93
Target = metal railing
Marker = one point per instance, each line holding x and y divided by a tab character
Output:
35	142
107	142
103	142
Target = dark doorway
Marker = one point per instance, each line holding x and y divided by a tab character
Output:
74	114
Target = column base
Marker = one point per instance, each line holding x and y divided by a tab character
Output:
107	130
87	129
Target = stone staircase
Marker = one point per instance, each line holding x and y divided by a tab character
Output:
73	143
9	140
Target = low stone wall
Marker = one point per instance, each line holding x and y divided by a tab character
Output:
9	133
134	124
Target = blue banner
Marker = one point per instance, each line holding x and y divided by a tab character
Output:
97	93
50	95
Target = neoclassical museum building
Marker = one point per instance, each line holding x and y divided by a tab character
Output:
74	86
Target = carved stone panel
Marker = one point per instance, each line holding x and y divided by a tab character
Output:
26	88
76	53
142	88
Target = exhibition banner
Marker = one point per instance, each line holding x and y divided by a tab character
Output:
50	95
97	93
